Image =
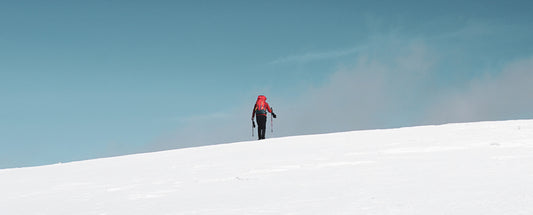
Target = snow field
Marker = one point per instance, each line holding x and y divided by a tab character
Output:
468	168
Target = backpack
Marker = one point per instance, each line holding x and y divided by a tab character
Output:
261	106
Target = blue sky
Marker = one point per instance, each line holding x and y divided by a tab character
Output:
89	79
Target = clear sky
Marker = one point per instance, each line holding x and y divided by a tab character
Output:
90	79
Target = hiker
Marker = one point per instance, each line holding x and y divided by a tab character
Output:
260	111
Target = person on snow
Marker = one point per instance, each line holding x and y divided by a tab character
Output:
261	108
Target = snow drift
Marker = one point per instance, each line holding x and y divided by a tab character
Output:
470	168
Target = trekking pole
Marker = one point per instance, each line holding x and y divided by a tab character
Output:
271	121
271	124
253	126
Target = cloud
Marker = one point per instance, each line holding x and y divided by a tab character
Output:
506	95
403	89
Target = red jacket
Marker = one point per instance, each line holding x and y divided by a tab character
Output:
261	107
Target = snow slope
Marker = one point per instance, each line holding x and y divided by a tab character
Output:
470	168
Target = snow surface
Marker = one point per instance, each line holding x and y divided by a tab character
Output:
470	168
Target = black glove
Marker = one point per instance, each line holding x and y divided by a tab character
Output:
274	115
253	123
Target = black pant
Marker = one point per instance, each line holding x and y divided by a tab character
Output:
261	126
